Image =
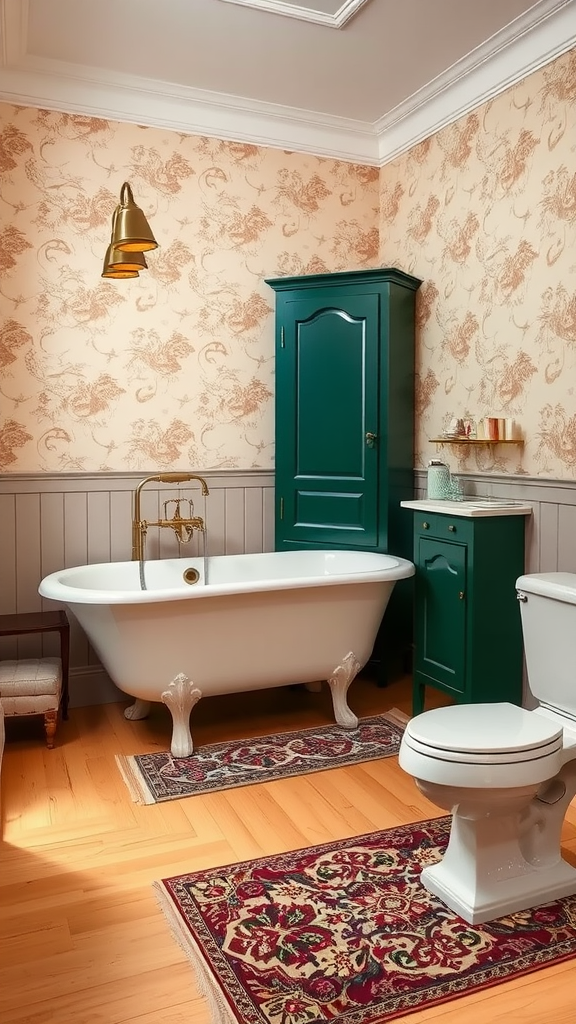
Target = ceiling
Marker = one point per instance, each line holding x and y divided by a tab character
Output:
354	79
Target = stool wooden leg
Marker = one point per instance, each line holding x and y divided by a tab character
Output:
50	721
65	657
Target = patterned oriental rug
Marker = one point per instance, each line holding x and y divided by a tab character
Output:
152	778
345	933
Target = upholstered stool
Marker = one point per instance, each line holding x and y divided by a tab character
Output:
32	687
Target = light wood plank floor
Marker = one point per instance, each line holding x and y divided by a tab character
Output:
83	940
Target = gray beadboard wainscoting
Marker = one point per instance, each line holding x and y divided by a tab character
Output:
52	521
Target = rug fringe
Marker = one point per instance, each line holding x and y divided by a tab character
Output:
134	780
220	1011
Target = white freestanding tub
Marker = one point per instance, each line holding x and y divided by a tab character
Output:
249	622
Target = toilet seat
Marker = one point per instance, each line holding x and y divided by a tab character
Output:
483	732
481	746
492	757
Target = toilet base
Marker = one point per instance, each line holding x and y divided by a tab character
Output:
523	893
504	850
490	869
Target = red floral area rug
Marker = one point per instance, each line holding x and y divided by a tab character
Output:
345	933
152	778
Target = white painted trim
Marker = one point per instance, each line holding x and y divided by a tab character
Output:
531	42
53	85
41	483
336	20
527	44
91	685
13	31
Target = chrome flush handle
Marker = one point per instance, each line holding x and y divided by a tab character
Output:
520	596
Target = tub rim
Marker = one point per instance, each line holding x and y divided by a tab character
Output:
54	586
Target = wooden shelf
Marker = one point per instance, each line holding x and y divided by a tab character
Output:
471	440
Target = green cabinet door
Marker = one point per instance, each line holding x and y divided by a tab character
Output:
326	410
344	429
467	631
440	628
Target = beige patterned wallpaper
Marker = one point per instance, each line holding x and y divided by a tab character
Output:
485	213
175	370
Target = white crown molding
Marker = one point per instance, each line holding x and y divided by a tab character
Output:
532	41
336	20
527	44
55	86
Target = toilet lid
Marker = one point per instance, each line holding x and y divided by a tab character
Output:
483	732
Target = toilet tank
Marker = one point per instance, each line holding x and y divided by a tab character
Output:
548	614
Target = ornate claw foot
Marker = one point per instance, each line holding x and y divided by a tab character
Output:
339	682
180	698
139	709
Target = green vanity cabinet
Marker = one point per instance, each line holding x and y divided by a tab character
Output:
467	626
344	427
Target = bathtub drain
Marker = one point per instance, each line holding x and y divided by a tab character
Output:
191	576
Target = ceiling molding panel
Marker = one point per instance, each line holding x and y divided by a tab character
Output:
13	31
306	12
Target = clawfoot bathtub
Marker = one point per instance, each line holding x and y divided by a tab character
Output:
230	623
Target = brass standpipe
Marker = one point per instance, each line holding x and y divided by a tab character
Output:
183	526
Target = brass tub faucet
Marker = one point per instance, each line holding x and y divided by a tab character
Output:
182	525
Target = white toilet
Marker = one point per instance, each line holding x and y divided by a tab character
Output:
507	774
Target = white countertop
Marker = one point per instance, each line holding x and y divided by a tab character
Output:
472	506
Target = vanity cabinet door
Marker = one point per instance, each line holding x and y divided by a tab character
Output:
440	635
468	633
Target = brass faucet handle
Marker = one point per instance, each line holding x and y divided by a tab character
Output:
173	478
183	530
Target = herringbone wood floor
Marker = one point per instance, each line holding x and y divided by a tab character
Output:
83	940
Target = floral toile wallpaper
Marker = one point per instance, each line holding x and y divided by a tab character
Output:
485	213
176	369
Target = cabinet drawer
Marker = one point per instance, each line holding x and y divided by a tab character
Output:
443	527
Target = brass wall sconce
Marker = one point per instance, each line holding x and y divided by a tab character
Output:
131	238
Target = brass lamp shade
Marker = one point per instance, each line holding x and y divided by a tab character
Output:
130	229
122	264
119	273
115	259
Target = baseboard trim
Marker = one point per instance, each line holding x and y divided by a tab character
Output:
90	685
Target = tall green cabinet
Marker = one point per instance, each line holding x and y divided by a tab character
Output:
345	414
